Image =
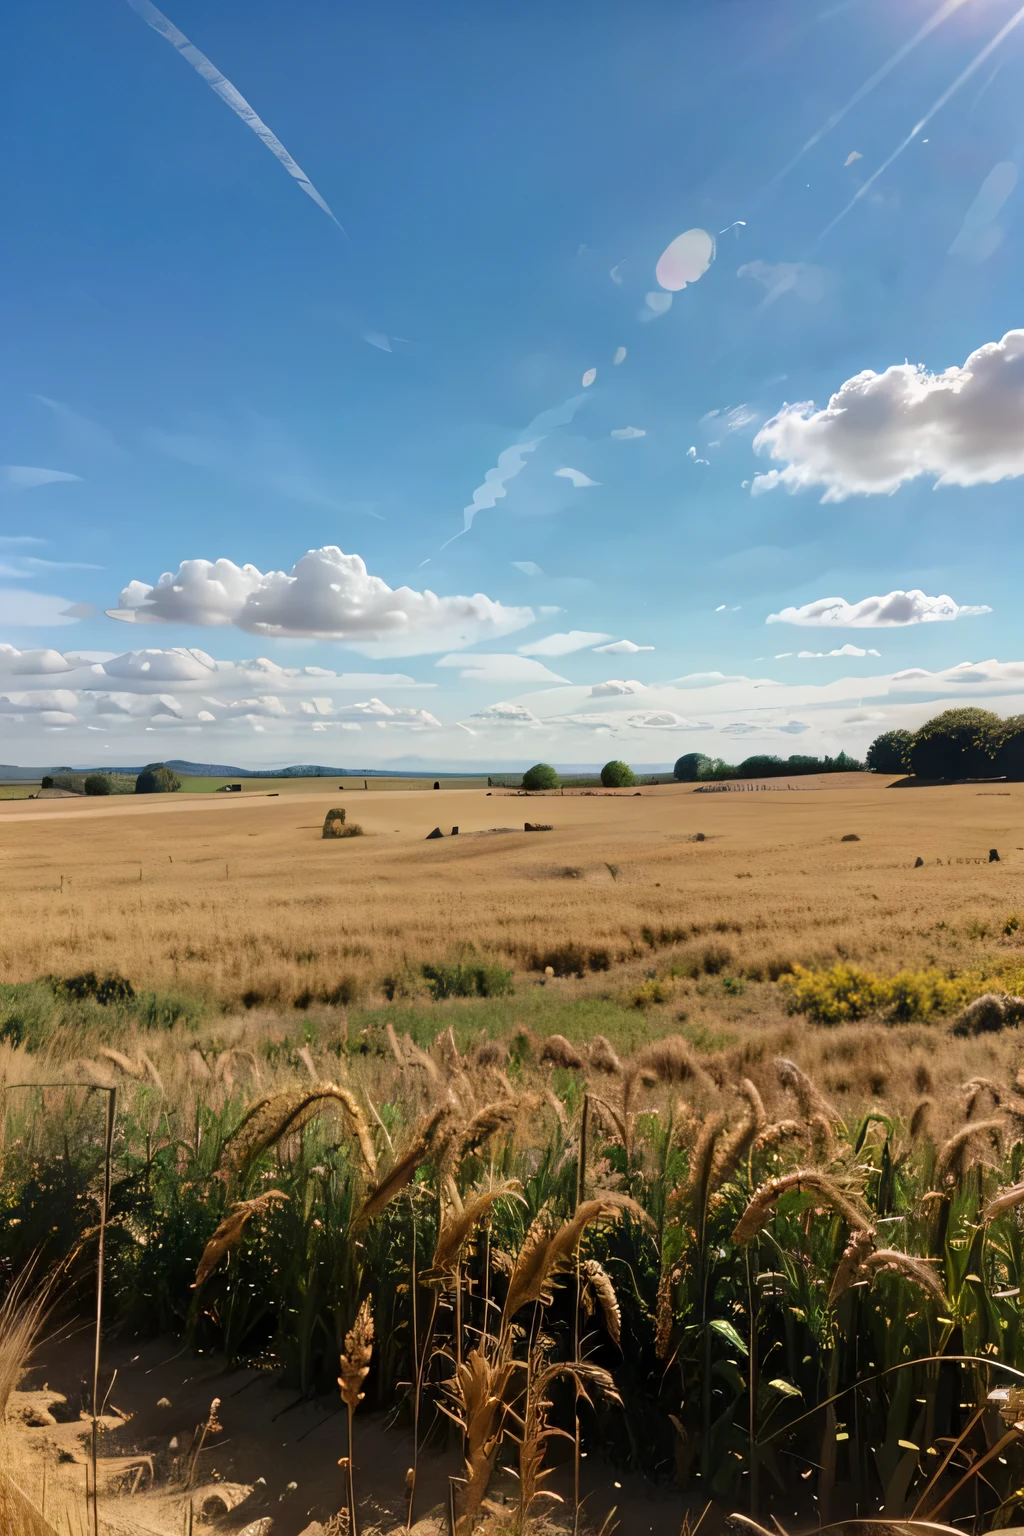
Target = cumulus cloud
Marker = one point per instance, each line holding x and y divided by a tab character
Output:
39	663
500	668
615	685
505	714
843	650
895	609
627	434
621	648
175	665
326	595
562	644
964	426
661	720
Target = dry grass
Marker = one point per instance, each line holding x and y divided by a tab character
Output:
243	899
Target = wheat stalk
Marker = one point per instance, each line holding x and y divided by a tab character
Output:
544	1252
1004	1200
355	1367
599	1285
954	1151
229	1233
457	1225
811	1102
422	1146
557	1050
756	1215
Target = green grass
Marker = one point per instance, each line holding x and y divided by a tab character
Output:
20	791
206	784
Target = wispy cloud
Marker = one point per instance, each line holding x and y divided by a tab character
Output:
511	460
230	96
578	478
27	477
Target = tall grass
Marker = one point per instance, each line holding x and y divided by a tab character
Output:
753	1270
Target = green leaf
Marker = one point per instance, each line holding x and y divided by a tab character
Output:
727	1331
785	1387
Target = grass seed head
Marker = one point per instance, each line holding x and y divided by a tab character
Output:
356	1356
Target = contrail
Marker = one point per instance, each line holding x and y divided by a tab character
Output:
942	14
948	93
227	93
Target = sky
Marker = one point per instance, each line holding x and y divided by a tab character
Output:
468	386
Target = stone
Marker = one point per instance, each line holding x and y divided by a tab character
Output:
436	833
993	855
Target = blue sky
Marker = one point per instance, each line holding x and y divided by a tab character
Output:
221	373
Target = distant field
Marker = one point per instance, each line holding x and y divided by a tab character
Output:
238	897
19	791
199	785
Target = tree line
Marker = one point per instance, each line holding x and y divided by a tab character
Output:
965	743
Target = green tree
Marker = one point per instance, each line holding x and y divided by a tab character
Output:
541	776
688	767
47	781
617	775
97	784
958	744
1009	758
157	779
890	752
762	766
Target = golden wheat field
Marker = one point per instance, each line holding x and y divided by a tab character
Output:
242	899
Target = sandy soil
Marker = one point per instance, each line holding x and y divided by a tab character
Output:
277	1455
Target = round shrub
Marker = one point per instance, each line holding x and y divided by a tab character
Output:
97	784
157	779
890	752
616	775
47	781
958	744
688	768
541	776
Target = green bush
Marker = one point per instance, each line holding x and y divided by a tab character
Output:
97	784
890	752
617	775
541	776
47	781
463	979
958	744
688	767
157	779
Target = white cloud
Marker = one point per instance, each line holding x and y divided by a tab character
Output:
562	644
578	478
795	727
616	685
176	665
627	434
528	567
31	663
895	609
843	650
505	714
621	648
963	427
38	609
512	460
327	595
500	668
798	277
26	477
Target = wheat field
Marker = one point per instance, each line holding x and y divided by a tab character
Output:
242	899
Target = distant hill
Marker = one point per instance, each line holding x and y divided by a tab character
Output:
229	771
